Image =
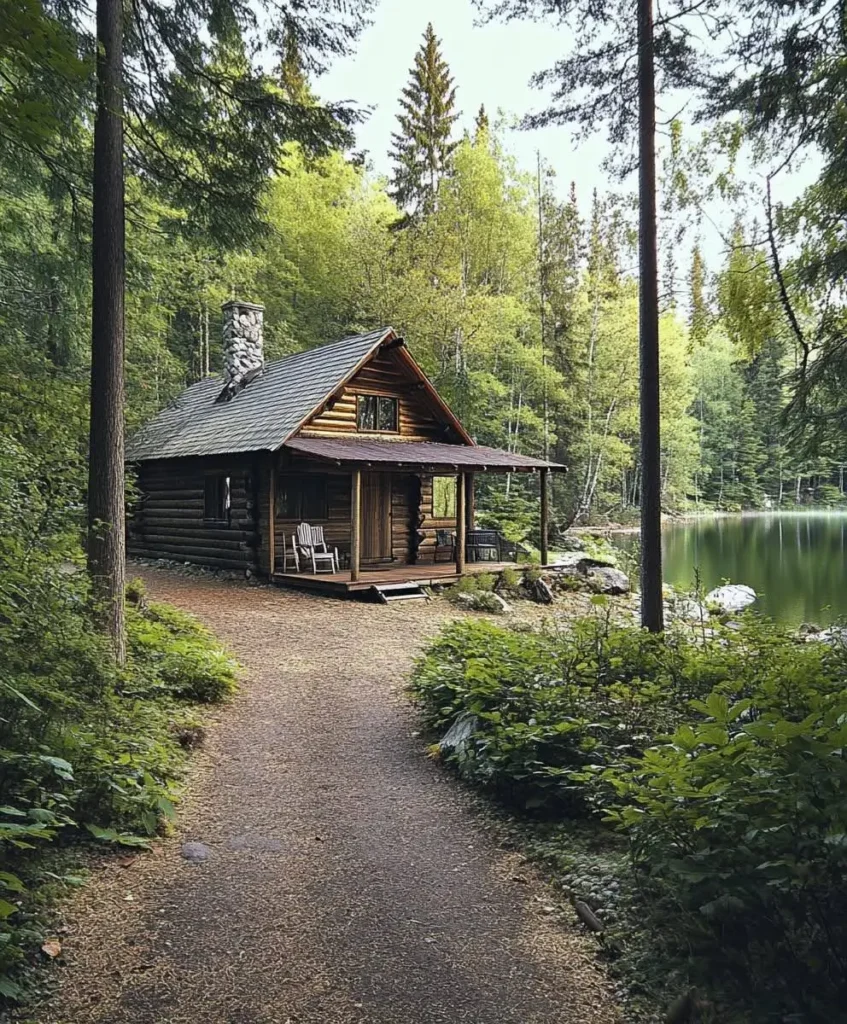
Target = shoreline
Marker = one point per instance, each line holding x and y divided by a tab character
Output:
620	529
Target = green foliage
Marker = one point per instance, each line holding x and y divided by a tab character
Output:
479	588
179	655
547	704
423	146
718	756
83	746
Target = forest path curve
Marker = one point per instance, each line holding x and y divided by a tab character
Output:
349	880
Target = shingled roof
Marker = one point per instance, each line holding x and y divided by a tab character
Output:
261	416
431	454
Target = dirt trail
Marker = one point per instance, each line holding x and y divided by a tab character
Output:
348	882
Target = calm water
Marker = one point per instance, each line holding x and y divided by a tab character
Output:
796	562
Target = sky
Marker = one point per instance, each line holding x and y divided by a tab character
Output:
490	64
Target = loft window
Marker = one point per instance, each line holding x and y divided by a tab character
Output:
444	497
217	498
377	413
302	497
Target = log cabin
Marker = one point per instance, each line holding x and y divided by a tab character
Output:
350	436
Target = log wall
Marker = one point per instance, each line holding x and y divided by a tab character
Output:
168	521
386	374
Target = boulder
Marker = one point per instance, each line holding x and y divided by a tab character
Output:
571	542
689	610
502	604
733	597
606	580
576	562
538	591
836	636
457	736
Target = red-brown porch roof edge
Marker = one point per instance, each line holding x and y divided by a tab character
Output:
416	454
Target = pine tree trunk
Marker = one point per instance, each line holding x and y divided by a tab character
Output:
106	545
651	483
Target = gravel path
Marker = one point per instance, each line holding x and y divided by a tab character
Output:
349	881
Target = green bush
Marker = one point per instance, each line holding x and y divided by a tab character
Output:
738	822
720	756
179	654
86	749
545	705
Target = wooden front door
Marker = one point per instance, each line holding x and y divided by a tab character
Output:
376	517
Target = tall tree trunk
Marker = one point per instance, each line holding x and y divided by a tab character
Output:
106	545
651	483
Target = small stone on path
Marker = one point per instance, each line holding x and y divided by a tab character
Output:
195	853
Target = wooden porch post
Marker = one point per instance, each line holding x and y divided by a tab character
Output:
271	517
470	502
545	515
355	523
461	523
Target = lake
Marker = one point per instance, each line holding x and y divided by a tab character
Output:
794	561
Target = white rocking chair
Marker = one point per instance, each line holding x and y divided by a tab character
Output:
308	549
319	542
290	555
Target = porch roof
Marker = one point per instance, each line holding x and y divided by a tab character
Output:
431	455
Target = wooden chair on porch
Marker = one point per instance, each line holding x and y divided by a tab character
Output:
319	542
290	557
445	544
309	550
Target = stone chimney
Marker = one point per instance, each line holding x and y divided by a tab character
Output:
243	337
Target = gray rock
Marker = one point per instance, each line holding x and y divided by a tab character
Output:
689	610
457	736
571	542
733	597
606	580
503	605
835	636
195	853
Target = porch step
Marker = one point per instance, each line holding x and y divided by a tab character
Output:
408	591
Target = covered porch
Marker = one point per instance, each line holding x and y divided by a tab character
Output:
341	583
372	509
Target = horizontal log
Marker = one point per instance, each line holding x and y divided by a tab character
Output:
180	553
175	514
204	560
238	541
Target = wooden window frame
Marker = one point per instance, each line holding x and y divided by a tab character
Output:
286	480
222	498
378	398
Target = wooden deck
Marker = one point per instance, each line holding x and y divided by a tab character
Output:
340	584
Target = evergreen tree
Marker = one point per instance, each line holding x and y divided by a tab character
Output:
482	126
699	315
423	147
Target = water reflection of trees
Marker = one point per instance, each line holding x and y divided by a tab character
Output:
794	561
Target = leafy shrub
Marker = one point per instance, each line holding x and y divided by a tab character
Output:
739	822
182	654
510	579
85	749
545	705
719	756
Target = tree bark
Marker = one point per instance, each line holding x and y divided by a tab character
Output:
106	542
651	482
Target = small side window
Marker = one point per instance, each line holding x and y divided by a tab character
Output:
217	498
377	413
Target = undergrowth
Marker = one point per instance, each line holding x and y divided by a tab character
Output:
87	751
692	787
